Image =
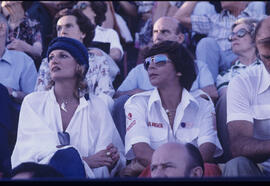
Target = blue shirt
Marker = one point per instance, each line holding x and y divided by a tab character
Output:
18	71
138	78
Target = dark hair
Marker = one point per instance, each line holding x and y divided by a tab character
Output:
82	21
181	58
37	170
195	158
100	8
180	29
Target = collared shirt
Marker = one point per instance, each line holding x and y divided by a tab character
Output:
18	71
97	77
218	26
138	78
248	99
224	78
148	122
91	129
110	36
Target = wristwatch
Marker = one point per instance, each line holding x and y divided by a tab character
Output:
14	93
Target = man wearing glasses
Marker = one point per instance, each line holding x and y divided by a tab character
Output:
248	116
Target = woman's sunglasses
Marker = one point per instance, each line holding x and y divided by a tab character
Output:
159	60
81	6
240	33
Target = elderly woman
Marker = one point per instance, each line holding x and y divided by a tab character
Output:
242	41
74	24
169	112
61	128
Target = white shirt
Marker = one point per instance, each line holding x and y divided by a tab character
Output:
91	129
248	98
148	122
108	35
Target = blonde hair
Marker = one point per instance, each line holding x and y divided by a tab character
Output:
81	88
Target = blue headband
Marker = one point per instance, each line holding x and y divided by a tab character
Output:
73	46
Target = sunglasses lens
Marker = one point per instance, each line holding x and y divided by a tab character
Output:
241	33
160	58
147	63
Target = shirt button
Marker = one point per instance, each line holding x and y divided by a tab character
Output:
183	125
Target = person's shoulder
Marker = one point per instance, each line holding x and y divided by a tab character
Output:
19	57
253	72
140	97
95	102
36	97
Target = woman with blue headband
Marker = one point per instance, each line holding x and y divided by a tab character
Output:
61	128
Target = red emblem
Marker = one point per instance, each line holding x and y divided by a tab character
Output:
129	116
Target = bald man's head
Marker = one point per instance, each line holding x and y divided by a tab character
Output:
174	160
167	28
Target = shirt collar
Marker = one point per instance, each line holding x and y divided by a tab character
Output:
265	82
186	97
246	11
7	56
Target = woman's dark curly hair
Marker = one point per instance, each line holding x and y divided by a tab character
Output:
82	21
100	8
181	58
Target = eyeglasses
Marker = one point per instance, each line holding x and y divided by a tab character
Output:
81	6
159	60
240	33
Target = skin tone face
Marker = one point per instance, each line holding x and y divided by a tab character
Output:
172	164
88	11
165	29
162	73
263	47
244	44
67	27
62	65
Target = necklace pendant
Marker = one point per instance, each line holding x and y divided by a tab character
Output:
63	107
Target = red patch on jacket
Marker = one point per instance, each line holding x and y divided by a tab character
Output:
131	125
152	124
129	116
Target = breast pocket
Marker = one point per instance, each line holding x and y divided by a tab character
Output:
185	135
158	134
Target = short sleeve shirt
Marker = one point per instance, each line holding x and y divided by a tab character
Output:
147	121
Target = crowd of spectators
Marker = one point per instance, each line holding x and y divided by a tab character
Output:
145	89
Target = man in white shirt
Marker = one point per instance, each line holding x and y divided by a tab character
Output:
248	116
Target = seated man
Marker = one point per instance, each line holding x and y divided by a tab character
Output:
248	116
177	160
17	78
170	112
95	11
165	28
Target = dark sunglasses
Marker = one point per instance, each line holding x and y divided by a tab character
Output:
159	60
240	33
81	6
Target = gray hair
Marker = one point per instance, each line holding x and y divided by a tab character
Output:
251	24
